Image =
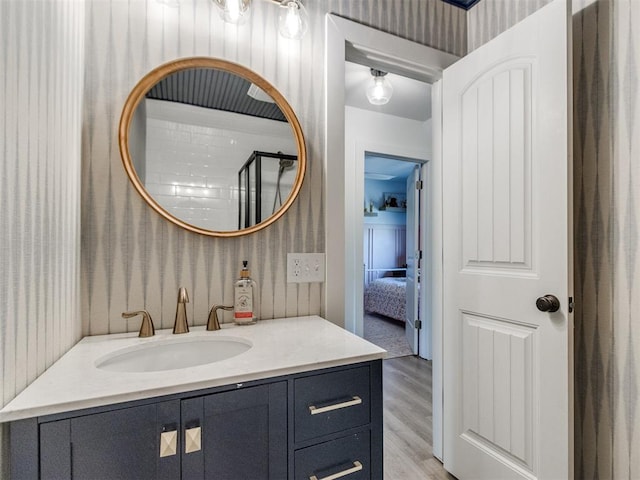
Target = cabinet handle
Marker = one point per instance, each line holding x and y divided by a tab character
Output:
192	440
349	403
168	443
357	466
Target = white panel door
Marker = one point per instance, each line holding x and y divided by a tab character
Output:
413	259
507	242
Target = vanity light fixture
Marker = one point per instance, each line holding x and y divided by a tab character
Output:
170	3
234	11
293	20
379	89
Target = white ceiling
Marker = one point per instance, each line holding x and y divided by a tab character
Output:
411	98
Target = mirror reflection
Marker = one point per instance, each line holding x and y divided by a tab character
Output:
213	148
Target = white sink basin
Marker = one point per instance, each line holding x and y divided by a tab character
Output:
173	354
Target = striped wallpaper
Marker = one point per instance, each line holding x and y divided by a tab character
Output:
592	226
488	18
617	359
606	69
41	87
131	258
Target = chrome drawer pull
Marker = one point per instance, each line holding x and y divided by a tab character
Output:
357	466
349	403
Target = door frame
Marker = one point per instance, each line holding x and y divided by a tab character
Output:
358	163
348	40
420	340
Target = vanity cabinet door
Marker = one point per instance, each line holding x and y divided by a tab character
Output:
242	434
119	444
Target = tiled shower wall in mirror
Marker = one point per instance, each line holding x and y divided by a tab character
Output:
41	89
131	257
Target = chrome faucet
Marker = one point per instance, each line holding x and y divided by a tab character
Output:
180	325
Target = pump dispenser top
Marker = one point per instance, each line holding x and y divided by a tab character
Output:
245	273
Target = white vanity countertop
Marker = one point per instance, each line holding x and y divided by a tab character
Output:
279	347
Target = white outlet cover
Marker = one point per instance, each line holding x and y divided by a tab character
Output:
305	267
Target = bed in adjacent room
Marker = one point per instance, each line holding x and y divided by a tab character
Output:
387	296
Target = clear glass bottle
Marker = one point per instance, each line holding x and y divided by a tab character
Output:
244	305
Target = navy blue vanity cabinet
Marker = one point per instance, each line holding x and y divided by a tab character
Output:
306	425
235	434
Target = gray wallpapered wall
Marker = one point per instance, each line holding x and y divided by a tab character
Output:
613	363
606	59
133	259
41	86
593	210
488	18
57	56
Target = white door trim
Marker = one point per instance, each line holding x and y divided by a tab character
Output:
437	273
349	40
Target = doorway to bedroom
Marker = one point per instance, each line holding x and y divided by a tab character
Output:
390	240
349	42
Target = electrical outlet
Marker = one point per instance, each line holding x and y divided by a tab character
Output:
305	267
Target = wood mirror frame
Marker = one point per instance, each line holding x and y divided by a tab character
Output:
152	78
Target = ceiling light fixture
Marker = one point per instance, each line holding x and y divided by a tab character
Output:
293	20
234	11
379	89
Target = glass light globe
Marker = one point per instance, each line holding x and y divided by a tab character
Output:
293	20
234	11
170	3
379	89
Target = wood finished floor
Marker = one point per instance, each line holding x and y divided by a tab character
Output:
408	420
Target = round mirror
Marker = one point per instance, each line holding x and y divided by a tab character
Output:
212	146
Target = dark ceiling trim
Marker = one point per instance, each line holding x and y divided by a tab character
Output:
465	4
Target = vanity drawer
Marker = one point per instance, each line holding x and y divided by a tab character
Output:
331	402
347	458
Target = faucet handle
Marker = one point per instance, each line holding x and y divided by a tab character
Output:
146	327
181	325
183	296
213	323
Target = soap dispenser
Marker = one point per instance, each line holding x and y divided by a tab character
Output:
244	298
